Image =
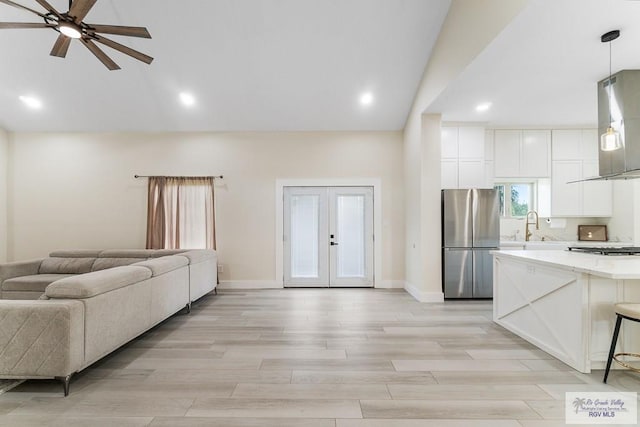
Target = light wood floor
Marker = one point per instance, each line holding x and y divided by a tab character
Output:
316	358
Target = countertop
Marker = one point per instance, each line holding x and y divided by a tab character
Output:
557	244
611	267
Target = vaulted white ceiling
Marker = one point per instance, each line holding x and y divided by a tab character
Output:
281	65
251	64
543	69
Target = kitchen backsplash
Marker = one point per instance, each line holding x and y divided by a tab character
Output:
513	229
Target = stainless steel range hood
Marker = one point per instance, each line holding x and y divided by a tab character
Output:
623	163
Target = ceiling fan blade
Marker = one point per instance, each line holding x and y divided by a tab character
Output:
47	5
108	62
122	31
24	25
61	46
80	8
19	6
124	49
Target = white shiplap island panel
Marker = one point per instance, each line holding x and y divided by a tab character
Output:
562	302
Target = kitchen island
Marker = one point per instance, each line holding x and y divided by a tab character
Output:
562	302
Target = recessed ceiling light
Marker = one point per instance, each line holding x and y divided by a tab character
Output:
187	99
366	99
31	102
483	107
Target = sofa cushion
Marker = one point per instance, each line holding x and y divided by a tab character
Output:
19	268
104	263
58	265
199	255
139	253
36	282
126	253
157	253
76	253
164	264
97	282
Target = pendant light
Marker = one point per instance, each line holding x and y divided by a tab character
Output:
610	140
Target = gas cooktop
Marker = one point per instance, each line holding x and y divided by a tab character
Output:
620	250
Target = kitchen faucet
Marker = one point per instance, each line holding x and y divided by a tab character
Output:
528	233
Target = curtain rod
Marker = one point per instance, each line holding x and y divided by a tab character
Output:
165	176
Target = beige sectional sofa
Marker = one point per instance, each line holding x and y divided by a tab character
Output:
62	313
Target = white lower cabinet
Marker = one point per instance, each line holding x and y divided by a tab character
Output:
587	198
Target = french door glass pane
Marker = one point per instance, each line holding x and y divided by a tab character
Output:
304	235
350	227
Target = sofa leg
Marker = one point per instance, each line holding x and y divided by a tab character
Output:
215	291
65	383
188	307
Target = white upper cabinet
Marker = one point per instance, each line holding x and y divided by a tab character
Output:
597	199
463	157
471	173
506	153
575	144
590	144
522	153
449	173
535	153
567	144
449	143
488	145
566	199
471	143
575	158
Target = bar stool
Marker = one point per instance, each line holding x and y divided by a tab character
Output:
628	311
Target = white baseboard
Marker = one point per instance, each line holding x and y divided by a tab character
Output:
249	284
272	284
423	296
390	284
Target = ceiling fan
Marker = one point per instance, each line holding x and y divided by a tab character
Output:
70	25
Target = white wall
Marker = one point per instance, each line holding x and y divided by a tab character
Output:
4	164
513	229
78	190
468	28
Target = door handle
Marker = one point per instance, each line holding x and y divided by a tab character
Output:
333	244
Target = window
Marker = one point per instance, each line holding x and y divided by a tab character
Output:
180	213
519	200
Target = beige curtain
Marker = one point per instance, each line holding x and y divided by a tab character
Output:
181	213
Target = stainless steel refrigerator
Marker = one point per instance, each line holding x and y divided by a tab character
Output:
470	230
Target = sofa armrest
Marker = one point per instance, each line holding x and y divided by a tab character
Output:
41	339
19	268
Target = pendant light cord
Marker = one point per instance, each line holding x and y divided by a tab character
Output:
610	124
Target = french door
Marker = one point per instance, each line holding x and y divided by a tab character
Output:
328	236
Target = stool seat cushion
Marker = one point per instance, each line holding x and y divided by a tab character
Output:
628	310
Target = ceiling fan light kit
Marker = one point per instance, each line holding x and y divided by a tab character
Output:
70	30
71	25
